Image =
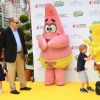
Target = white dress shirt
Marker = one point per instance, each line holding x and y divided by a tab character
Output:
17	38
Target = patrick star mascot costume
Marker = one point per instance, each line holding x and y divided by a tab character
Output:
55	48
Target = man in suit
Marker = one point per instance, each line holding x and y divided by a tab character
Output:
12	40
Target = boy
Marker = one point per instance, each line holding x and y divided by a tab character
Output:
82	58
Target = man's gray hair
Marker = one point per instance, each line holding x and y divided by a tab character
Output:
11	19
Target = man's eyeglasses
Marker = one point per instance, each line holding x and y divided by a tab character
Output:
16	22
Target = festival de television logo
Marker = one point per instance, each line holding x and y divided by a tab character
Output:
92	2
39	27
79	25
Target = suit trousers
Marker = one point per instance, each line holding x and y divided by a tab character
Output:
17	66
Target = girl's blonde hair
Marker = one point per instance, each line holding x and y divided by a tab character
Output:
82	46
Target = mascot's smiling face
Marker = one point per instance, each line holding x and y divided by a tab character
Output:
53	25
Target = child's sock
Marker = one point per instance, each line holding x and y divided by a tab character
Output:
0	90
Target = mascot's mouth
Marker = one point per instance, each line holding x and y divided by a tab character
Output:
47	40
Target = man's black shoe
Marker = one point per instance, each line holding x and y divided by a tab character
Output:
25	88
14	92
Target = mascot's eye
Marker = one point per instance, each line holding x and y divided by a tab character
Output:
53	28
46	28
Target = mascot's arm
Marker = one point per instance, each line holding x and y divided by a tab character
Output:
59	41
94	51
42	43
88	42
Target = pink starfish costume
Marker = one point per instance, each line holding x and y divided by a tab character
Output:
55	49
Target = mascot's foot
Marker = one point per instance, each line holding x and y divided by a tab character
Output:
60	77
47	84
59	84
97	89
49	77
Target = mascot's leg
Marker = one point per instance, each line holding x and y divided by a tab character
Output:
60	76
49	76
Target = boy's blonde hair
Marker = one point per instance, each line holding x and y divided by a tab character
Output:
82	46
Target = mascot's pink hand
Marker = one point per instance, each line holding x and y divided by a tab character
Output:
59	41
42	43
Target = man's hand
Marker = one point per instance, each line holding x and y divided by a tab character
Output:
2	63
25	57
